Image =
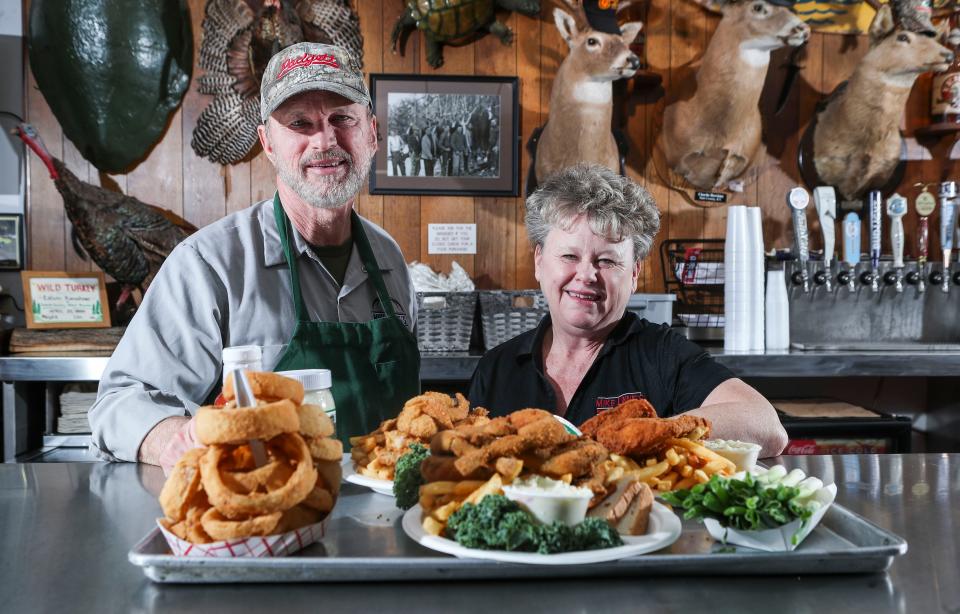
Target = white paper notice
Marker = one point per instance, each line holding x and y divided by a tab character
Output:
66	300
451	238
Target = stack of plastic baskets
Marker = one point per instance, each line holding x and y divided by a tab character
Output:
508	313
445	320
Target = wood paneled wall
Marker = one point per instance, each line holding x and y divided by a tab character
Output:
676	32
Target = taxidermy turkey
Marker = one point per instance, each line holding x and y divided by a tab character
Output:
239	38
127	238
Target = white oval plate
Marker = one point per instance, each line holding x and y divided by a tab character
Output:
663	530
383	487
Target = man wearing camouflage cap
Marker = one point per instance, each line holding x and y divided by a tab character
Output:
301	275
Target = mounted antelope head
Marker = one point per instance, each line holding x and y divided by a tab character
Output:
581	102
856	142
711	138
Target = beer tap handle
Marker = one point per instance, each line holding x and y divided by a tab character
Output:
825	200
876	229
896	209
948	219
923	239
798	199
925	204
851	245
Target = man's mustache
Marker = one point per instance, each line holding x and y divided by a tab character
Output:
320	156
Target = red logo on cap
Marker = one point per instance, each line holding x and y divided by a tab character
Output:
307	59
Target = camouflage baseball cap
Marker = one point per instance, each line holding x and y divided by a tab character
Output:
311	66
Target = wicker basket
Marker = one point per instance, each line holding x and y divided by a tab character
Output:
445	320
507	313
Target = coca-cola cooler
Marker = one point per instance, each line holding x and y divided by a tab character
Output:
825	426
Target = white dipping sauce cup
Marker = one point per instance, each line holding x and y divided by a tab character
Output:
743	454
547	507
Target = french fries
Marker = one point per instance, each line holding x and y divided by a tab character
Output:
439	500
683	464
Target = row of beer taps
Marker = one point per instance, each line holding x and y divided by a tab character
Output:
825	202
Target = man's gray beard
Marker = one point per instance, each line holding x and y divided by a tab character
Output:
324	195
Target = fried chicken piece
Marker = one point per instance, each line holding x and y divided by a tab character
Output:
634	408
442	469
476	416
407	415
439	410
576	458
460	409
423	427
544	433
641	437
523	417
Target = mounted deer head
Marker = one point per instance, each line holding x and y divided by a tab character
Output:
581	102
856	142
711	138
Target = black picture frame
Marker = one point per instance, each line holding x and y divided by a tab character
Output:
11	241
487	111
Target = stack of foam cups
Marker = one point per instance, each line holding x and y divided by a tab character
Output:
743	291
757	279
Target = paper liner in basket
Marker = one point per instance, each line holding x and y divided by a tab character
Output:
282	544
780	539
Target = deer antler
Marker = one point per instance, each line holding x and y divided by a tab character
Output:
579	14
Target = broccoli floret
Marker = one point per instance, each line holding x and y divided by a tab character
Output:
407	478
497	523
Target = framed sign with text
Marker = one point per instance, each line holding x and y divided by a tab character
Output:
55	299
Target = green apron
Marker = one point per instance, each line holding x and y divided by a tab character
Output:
375	365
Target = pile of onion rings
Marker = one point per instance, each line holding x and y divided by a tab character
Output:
218	493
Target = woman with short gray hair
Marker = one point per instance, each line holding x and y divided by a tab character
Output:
590	229
615	206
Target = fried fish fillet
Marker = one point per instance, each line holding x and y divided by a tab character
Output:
646	436
634	408
575	458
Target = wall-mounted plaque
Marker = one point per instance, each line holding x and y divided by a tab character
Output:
55	299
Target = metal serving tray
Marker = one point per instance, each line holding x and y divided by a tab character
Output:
364	541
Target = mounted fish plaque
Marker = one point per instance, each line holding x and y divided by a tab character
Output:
112	72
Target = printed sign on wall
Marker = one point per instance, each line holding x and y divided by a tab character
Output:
54	299
451	238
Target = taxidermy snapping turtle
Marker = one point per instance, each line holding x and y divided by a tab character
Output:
456	22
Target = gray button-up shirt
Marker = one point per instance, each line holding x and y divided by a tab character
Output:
228	284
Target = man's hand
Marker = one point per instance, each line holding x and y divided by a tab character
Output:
167	441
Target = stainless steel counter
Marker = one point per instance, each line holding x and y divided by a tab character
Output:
66	530
16	371
459	367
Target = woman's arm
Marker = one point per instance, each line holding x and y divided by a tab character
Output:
737	411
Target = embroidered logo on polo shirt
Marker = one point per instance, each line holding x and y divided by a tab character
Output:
605	403
379	313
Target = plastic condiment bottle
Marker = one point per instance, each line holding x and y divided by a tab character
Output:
316	389
241	357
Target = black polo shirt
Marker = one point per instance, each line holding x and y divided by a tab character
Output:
638	360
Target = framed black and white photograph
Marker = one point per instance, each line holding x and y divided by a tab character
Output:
446	135
11	241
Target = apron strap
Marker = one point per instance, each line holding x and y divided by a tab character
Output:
363	246
369	261
282	224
